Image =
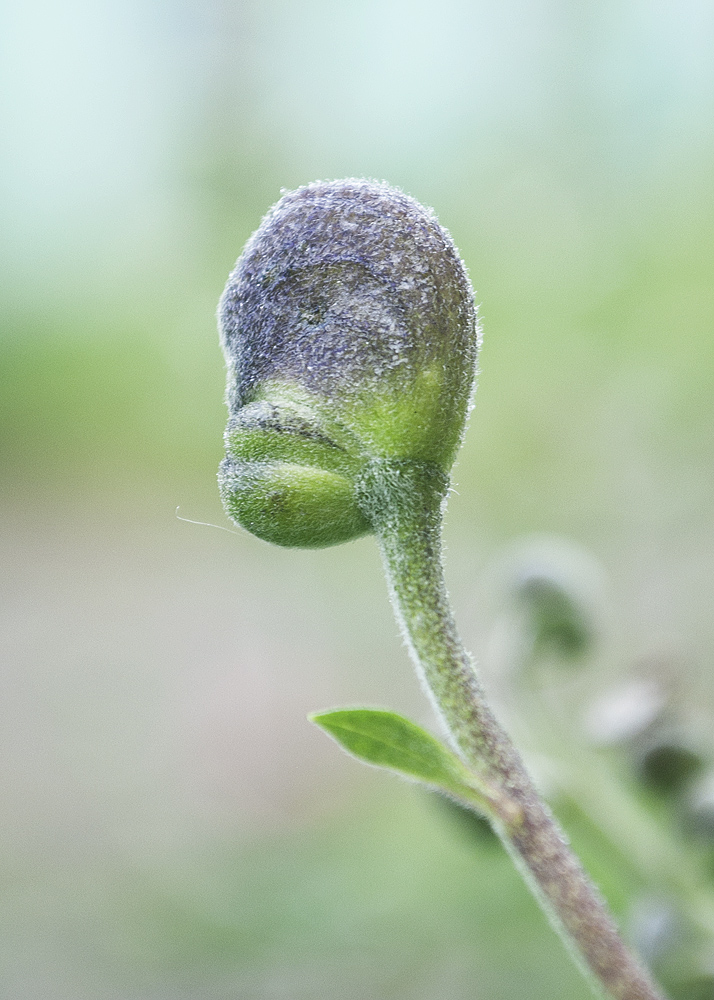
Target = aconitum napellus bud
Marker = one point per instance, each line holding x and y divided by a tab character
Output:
350	336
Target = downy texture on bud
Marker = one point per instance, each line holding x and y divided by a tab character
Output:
350	337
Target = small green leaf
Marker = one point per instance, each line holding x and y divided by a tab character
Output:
386	739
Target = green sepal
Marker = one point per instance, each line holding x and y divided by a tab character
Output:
385	739
291	505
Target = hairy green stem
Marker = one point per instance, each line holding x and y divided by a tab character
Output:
403	500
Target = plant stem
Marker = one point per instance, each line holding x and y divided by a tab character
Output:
404	502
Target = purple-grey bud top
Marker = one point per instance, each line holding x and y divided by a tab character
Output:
346	281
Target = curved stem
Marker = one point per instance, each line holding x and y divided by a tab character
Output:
403	501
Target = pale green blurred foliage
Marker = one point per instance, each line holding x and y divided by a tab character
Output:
172	826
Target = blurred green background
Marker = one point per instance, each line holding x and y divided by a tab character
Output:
171	824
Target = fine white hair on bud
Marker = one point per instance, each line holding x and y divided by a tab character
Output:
350	334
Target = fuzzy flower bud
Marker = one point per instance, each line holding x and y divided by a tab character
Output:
350	336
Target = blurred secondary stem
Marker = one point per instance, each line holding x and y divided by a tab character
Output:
404	502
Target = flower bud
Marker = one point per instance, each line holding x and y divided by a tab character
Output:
350	336
668	765
558	620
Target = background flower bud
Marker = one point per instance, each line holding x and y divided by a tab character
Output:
350	334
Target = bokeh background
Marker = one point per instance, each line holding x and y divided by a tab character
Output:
171	825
